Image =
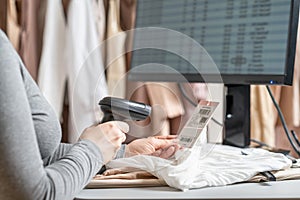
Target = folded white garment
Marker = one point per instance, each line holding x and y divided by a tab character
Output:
207	165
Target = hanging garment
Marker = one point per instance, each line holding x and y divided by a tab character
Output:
263	119
13	25
115	44
86	76
127	13
127	21
99	15
32	25
3	15
206	165
52	69
72	54
166	103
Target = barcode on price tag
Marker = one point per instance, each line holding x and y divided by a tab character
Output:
186	140
204	111
203	120
192	130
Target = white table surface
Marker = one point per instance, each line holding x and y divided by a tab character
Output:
267	190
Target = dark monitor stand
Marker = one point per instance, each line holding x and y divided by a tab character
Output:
237	116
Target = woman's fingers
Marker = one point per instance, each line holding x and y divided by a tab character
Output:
167	137
166	152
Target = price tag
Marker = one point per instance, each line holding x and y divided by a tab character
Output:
192	130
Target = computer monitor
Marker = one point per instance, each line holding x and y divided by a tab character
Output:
235	42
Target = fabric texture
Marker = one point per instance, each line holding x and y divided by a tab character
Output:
121	183
72	55
115	49
100	18
207	165
52	68
123	177
3	15
86	75
263	119
33	162
280	175
13	24
32	26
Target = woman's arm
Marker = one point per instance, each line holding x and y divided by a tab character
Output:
60	152
23	175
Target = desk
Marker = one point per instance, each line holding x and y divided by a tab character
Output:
267	190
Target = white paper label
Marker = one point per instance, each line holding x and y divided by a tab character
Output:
192	130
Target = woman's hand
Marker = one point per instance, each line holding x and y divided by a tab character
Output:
161	146
108	137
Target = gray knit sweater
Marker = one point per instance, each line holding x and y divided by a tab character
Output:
33	162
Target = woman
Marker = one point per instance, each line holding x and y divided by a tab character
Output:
33	162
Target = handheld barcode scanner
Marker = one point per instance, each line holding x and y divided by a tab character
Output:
114	108
119	109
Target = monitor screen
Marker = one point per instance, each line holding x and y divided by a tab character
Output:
213	41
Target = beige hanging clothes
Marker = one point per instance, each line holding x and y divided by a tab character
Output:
3	15
115	62
32	24
166	95
13	25
262	115
127	21
166	102
289	98
127	13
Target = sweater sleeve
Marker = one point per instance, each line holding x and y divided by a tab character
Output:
67	176
61	151
65	148
24	133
